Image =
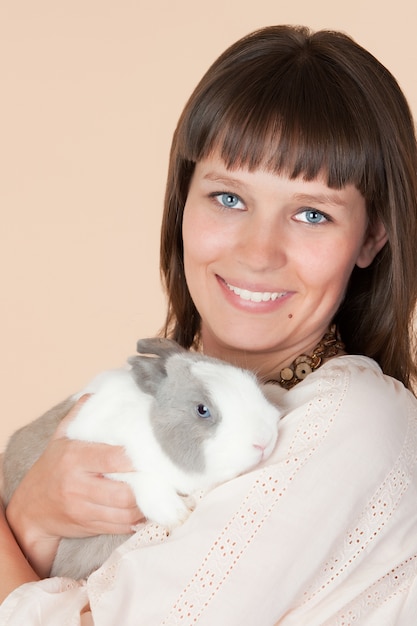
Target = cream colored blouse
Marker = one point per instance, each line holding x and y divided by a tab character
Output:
324	533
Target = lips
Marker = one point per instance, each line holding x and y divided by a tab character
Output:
255	296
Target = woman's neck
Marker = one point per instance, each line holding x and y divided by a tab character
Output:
291	364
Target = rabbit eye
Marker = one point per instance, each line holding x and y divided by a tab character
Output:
202	410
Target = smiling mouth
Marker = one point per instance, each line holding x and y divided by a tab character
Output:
256	296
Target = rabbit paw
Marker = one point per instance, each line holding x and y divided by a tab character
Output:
157	499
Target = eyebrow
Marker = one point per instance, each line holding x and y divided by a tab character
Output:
222	179
321	198
315	198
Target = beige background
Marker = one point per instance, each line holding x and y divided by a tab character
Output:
90	94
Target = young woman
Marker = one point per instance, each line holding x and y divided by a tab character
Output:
289	227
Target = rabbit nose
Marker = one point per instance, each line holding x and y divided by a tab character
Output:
261	447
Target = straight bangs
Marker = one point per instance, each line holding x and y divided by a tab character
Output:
302	119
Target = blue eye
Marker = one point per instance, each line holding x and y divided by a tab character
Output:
229	200
202	411
312	216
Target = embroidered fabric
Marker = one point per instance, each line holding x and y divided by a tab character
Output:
324	533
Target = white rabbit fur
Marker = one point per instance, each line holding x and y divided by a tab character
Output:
187	422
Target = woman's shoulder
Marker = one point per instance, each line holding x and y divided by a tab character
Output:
350	403
349	379
359	386
361	379
369	410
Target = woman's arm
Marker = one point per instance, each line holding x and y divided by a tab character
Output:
15	570
65	494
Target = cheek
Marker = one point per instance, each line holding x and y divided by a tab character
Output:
203	240
329	267
194	243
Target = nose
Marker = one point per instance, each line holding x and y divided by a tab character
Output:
262	246
265	438
261	449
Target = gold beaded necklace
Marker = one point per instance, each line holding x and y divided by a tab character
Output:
330	345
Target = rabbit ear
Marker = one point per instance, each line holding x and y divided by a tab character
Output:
148	372
161	347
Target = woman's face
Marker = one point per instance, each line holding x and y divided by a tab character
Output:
267	259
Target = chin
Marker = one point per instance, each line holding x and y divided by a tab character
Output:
242	342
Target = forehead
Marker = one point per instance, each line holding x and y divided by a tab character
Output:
213	171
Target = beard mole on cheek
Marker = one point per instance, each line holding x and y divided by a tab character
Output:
290	316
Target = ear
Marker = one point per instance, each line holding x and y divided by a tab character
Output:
159	346
148	372
375	239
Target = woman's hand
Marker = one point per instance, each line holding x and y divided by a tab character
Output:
65	494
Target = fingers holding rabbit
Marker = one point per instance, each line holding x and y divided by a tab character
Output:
65	494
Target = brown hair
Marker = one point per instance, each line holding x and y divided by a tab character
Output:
291	100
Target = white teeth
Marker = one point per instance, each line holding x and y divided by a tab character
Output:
255	296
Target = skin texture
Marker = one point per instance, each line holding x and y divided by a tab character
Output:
266	233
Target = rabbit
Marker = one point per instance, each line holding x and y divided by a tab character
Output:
187	422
